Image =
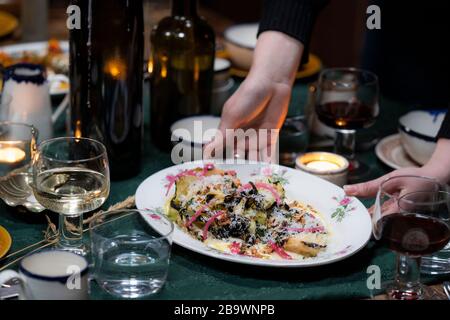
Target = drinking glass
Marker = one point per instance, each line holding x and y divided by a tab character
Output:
347	100
395	229
17	145
131	252
436	204
293	139
71	177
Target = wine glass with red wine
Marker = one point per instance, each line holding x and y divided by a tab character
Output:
347	100
411	218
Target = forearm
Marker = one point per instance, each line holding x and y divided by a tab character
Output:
276	58
295	18
439	164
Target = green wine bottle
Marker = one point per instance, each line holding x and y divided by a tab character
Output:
182	68
106	79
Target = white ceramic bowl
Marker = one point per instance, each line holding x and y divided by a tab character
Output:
418	131
240	41
191	134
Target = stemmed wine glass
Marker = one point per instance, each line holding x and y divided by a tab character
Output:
347	100
409	217
435	205
71	177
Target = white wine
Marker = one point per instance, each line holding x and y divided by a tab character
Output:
71	190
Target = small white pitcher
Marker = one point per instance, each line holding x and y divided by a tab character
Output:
26	98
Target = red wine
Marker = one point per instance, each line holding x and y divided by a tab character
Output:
413	234
346	115
106	79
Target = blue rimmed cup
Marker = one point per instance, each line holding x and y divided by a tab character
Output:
51	275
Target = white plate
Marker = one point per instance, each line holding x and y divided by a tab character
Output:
390	151
244	35
40	48
349	235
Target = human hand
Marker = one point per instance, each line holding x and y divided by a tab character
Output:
369	189
438	167
391	187
261	102
258	104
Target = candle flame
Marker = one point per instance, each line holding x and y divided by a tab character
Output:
78	129
11	155
322	165
196	69
164	60
116	68
150	66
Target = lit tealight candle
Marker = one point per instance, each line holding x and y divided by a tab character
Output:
11	155
328	166
321	165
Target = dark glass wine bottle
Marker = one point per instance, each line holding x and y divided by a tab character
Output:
106	77
182	67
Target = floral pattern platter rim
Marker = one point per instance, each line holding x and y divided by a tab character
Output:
347	218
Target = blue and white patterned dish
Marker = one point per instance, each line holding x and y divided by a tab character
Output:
418	131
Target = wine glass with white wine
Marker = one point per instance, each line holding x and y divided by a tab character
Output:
71	177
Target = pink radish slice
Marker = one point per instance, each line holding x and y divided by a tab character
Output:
235	248
209	222
283	254
173	178
199	212
315	229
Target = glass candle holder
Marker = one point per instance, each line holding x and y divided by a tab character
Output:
17	146
325	165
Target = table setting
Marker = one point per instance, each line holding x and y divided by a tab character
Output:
106	193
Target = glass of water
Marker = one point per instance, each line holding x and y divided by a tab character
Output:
294	139
131	252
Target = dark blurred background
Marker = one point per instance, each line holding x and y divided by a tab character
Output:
338	34
337	40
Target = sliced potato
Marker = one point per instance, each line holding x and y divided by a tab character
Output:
182	188
298	246
268	199
307	244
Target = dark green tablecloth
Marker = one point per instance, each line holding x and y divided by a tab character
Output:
193	276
